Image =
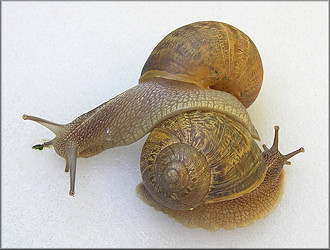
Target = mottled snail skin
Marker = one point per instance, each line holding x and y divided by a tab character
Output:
209	54
127	117
192	98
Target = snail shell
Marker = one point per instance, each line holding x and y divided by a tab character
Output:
209	54
200	157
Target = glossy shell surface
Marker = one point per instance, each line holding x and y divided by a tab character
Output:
212	55
200	157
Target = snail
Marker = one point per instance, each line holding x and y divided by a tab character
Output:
200	163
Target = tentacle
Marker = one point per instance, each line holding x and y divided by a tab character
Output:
288	156
71	161
54	127
273	157
275	143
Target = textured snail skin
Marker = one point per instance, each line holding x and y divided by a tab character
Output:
127	117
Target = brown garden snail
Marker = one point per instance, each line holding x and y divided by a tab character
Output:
200	163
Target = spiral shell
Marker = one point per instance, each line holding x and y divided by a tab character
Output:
200	157
210	54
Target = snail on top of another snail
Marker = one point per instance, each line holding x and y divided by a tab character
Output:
200	163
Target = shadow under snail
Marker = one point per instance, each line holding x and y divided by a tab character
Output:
200	163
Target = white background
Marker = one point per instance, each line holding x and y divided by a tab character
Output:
62	59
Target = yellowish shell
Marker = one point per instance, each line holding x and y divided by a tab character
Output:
212	55
200	157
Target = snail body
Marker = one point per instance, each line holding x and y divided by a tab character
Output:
232	188
200	154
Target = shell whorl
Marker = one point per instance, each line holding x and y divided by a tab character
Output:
210	54
180	175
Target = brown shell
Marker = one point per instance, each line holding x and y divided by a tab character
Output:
200	157
212	55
